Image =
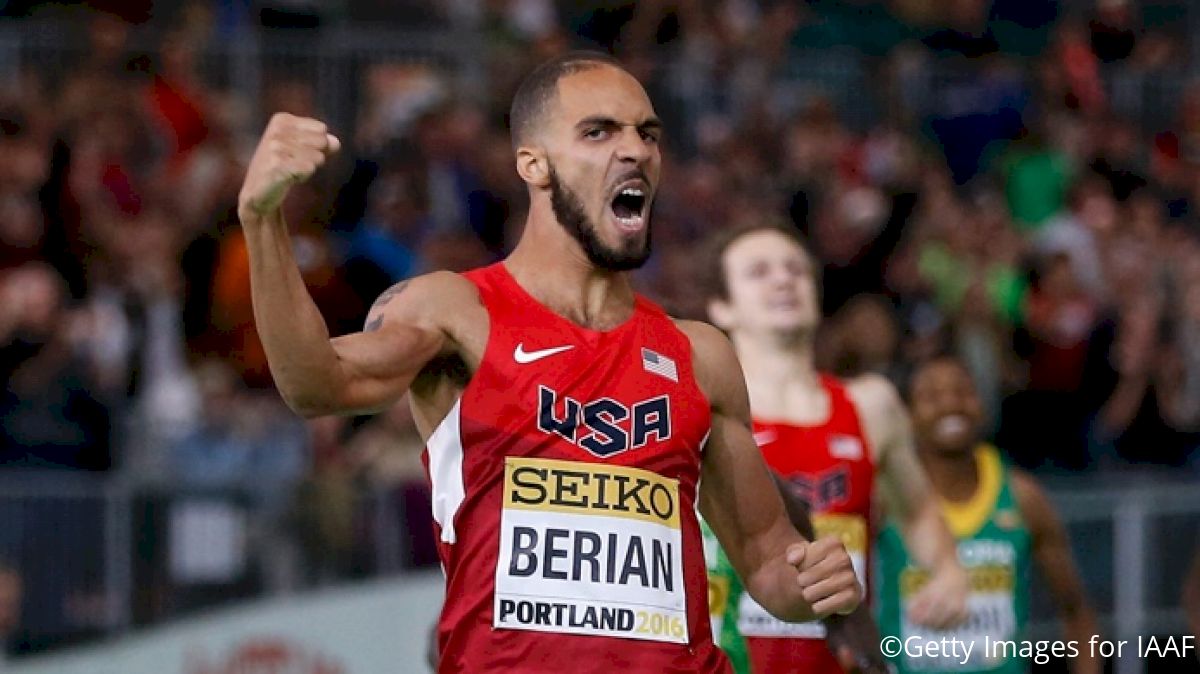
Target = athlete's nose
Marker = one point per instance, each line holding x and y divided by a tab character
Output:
632	148
781	276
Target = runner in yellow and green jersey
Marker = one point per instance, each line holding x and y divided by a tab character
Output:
1003	523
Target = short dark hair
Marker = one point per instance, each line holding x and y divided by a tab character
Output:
713	281
540	86
944	355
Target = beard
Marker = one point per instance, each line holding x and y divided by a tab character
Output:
568	208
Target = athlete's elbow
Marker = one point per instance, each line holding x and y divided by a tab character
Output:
306	409
308	403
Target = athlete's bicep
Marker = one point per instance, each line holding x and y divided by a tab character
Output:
377	367
738	497
403	333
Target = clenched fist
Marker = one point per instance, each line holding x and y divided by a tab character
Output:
826	576
292	149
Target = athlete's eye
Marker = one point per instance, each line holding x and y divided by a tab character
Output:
595	133
796	268
648	136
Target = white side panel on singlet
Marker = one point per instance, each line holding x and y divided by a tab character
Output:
446	471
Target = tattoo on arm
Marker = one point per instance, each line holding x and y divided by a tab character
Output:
388	295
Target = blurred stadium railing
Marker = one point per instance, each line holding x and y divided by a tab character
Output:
104	556
100	555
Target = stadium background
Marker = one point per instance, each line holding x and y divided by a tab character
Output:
1018	180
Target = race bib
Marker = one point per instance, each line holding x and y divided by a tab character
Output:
593	549
755	621
991	615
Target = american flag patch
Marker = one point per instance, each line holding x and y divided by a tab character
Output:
659	365
845	447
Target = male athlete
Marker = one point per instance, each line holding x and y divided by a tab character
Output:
1002	521
569	423
828	440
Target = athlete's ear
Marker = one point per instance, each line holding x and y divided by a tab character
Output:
533	167
721	314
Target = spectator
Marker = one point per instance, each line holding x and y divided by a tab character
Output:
50	415
241	440
326	504
867	339
383	248
1082	233
1059	317
1048	416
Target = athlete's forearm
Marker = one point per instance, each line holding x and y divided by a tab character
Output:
293	332
928	539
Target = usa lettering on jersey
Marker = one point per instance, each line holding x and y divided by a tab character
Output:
824	490
588	548
604	427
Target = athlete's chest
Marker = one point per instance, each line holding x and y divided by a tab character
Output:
828	466
626	396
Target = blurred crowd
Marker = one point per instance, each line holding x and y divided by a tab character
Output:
971	185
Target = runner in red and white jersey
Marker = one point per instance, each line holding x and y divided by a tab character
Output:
829	440
828	465
569	423
576	492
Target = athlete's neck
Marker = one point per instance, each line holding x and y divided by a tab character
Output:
782	380
955	475
552	267
776	359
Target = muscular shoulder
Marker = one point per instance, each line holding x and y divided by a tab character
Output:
873	395
718	372
878	405
431	301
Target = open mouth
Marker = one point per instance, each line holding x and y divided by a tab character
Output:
628	207
784	303
954	424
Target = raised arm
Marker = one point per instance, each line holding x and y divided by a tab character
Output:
909	497
793	579
1052	554
315	375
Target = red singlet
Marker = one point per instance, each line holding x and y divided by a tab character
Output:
829	467
564	494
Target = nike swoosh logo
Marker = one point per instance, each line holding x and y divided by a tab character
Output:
524	357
